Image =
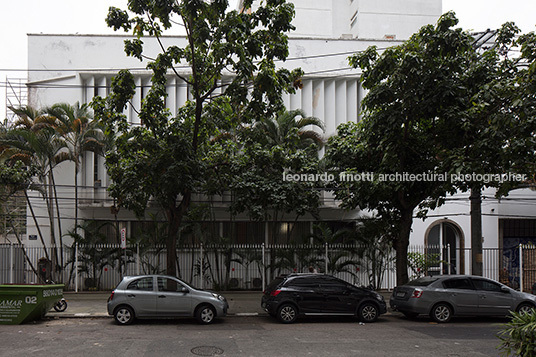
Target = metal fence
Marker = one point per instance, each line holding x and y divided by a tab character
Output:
251	267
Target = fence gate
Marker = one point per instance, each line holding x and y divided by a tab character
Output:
11	264
528	267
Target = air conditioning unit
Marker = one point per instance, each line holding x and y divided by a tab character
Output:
256	283
236	283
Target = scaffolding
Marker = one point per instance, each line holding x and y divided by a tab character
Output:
16	96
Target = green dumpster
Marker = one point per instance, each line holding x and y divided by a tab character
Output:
23	303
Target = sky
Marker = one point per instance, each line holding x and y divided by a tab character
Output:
87	17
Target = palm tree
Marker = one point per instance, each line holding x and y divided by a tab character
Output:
81	134
290	128
34	141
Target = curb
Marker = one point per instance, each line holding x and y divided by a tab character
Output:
102	315
83	315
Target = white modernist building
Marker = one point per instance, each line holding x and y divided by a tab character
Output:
71	68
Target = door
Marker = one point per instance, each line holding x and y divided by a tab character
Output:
339	297
305	292
492	300
141	296
463	295
173	298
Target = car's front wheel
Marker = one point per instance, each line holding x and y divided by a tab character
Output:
368	312
525	308
124	315
441	313
205	314
287	313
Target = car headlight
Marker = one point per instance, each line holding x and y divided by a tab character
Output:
378	296
218	296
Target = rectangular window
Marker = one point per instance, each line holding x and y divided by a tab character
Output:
96	169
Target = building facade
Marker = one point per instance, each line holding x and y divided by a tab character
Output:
71	68
75	68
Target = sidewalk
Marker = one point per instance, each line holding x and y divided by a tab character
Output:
93	304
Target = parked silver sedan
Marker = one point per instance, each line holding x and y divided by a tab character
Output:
160	296
442	297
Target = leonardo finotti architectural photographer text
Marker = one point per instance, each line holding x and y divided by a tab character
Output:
404	177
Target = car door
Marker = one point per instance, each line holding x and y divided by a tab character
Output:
492	300
173	298
462	294
305	292
339	297
141	296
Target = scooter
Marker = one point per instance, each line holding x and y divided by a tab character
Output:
61	305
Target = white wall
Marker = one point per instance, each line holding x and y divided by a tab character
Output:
365	19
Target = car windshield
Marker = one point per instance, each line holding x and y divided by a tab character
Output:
427	280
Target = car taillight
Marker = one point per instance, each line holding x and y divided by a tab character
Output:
111	296
275	292
417	293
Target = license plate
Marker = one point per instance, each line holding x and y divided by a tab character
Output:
400	294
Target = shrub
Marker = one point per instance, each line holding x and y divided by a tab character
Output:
519	335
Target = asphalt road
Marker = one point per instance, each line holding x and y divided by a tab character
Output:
252	336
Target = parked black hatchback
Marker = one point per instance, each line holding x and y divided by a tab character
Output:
287	297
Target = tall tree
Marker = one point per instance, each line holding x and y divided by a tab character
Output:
493	139
436	107
82	134
34	142
414	89
230	56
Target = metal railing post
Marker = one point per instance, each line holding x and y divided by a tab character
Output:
201	267
521	268
448	262
263	268
76	267
11	263
326	259
137	258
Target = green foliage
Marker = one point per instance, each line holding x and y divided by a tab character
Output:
43	139
273	147
375	252
420	263
435	106
150	240
518	338
232	79
13	178
93	253
259	186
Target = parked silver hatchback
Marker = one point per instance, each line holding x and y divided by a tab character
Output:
442	297
161	296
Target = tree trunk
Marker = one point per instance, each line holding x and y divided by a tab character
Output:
60	234
401	247
37	226
76	198
476	231
175	216
53	242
